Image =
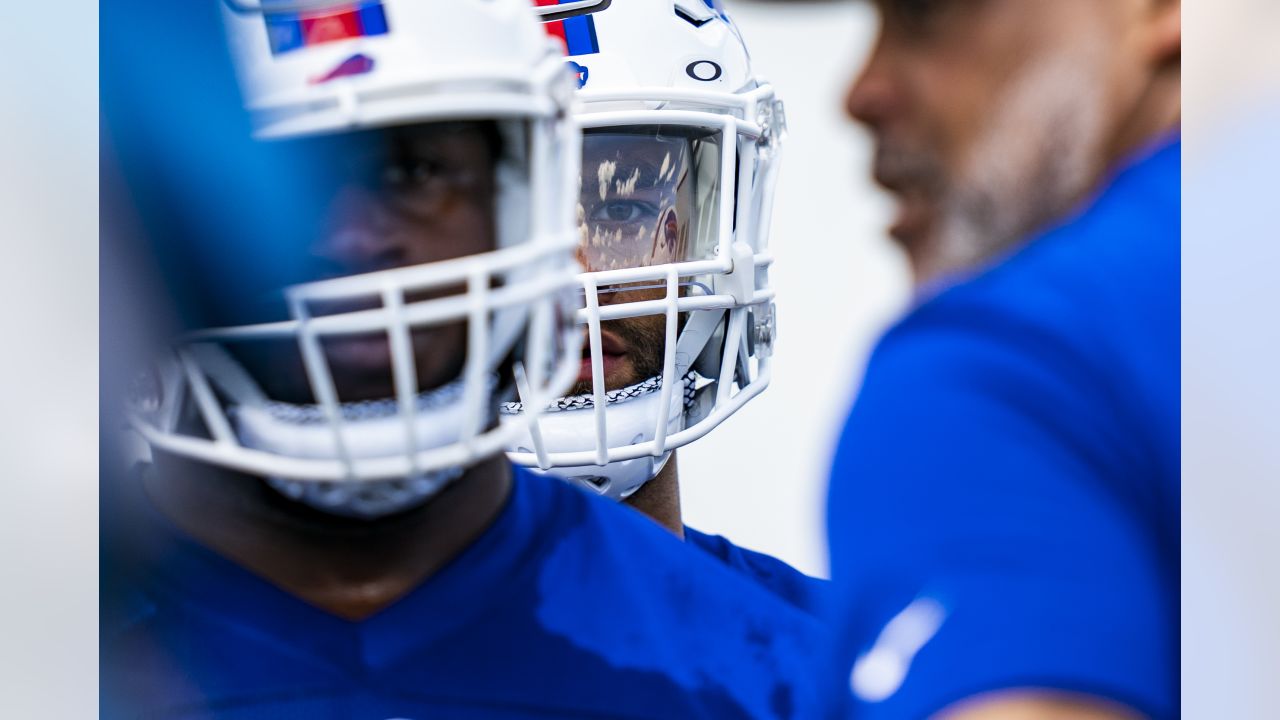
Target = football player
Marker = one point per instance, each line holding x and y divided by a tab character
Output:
679	159
323	524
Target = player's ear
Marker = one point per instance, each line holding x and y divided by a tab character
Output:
1164	32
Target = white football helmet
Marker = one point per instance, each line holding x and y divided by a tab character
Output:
320	69
680	154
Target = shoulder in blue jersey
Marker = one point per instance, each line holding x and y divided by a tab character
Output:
567	606
788	583
1005	496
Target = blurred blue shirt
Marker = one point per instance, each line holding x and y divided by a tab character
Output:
567	606
1004	503
804	592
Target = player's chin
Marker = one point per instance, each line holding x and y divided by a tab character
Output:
913	225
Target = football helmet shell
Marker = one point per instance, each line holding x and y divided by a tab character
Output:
658	65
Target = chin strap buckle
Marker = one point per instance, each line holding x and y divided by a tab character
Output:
762	331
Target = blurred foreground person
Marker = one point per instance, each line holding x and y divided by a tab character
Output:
1004	499
679	163
321	522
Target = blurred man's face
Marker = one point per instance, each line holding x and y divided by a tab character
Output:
635	210
396	197
992	117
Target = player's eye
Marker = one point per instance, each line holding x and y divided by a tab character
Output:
412	172
419	183
623	211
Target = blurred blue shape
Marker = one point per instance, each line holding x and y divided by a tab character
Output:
1014	457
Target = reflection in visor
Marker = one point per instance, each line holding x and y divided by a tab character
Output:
650	196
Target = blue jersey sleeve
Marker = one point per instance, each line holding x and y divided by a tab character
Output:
998	512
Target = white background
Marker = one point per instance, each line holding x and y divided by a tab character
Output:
759	478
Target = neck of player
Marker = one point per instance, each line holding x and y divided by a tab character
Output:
660	498
350	568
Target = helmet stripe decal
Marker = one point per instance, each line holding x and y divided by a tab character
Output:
578	34
294	30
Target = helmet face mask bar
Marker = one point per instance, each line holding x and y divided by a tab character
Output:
442	327
689	263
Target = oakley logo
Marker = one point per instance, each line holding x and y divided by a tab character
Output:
704	70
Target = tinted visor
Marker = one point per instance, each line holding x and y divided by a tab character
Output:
650	196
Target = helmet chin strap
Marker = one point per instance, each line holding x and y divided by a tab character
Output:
367	500
569	426
370	429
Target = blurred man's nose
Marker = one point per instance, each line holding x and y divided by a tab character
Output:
870	98
362	235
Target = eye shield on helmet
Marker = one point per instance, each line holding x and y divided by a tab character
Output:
650	196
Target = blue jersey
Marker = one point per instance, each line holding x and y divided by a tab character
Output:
1004	504
568	606
802	591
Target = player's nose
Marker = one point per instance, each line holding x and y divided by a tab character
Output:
362	234
871	96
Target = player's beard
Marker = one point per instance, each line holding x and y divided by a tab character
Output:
1033	163
645	339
